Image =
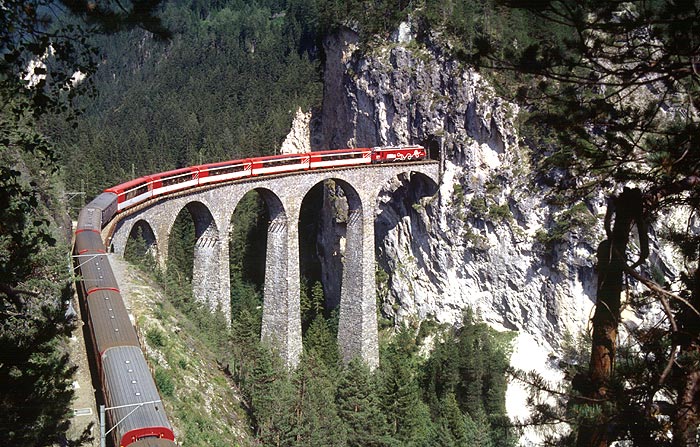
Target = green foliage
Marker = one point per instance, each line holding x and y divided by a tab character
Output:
42	44
359	407
248	241
320	341
226	86
311	305
323	403
577	218
177	282
36	373
164	382
458	194
156	338
402	405
470	367
317	421
479	206
500	213
181	253
136	250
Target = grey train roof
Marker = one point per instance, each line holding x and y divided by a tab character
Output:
153	442
88	242
109	321
97	273
127	380
90	218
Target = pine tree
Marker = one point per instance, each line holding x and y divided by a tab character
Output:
136	250
272	398
407	415
321	342
616	90
359	407
316	417
453	429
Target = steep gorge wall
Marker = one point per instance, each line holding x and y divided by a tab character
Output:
488	239
474	243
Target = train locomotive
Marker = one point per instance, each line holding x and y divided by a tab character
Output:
125	379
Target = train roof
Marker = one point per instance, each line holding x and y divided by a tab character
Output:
340	151
102	201
129	185
281	156
153	442
128	381
110	321
219	164
90	219
86	243
96	273
173	172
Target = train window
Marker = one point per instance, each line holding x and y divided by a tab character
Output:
135	192
176	179
227	169
283	162
344	155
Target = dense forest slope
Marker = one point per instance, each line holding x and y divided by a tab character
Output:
234	76
227	85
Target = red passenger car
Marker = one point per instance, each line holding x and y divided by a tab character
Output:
132	192
175	180
225	170
280	163
398	153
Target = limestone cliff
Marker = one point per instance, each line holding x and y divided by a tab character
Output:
482	241
488	239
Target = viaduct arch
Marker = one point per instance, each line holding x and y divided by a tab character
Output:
212	209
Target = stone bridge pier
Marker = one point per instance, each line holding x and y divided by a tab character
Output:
212	209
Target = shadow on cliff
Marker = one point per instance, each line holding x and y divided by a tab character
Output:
404	203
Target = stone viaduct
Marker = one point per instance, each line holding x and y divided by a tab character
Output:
212	209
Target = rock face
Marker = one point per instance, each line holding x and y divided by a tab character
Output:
485	240
298	139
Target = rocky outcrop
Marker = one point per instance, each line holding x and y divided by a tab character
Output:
298	139
488	239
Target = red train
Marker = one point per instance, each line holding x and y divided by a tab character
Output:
124	375
136	191
126	382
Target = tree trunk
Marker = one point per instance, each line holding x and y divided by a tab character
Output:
687	416
627	209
